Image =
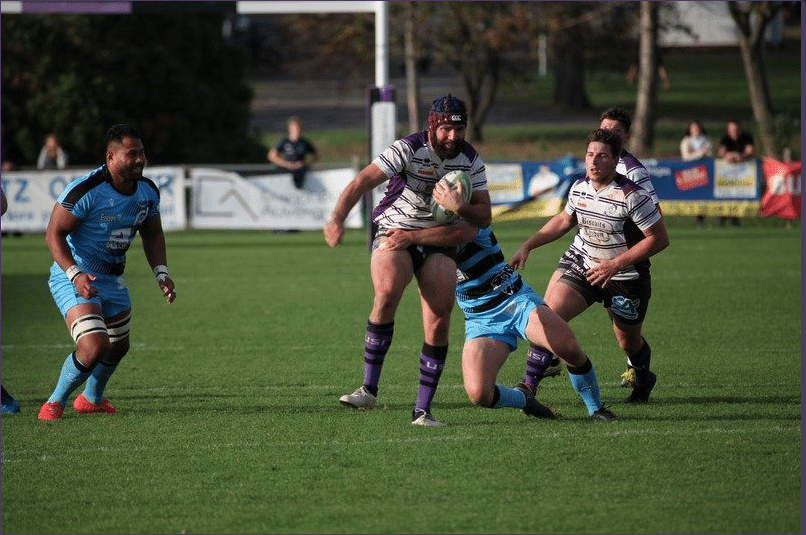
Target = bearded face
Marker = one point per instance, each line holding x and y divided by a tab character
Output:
447	140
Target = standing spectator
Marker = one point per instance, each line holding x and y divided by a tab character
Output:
619	228
52	155
736	146
695	144
413	166
93	223
9	404
294	153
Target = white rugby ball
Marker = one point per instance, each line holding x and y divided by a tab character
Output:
441	215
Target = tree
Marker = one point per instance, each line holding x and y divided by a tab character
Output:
171	75
752	19
481	41
643	133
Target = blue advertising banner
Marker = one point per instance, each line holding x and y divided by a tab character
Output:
712	187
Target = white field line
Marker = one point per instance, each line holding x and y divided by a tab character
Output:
27	456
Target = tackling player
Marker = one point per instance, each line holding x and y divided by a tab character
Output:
413	166
500	307
91	227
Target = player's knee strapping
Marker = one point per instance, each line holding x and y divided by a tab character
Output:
119	329
87	324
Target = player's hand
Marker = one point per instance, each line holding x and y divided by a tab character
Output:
519	258
334	232
449	199
600	274
396	240
168	289
83	285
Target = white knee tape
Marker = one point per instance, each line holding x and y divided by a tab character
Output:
89	324
119	329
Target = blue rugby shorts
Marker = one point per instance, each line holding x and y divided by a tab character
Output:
113	294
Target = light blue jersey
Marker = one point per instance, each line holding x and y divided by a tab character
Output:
109	220
495	299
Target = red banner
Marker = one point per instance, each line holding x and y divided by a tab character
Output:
782	196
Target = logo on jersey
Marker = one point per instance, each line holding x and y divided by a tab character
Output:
624	307
594	223
120	239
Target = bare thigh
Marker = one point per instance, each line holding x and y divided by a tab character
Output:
391	272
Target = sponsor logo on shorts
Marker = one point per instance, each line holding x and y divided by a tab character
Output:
624	307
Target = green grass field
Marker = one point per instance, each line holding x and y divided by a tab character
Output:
230	423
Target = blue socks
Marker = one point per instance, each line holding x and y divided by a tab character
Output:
584	381
94	390
508	397
73	374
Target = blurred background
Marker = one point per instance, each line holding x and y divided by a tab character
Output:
208	83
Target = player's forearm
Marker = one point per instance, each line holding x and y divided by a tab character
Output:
155	250
367	179
553	230
652	244
478	215
443	235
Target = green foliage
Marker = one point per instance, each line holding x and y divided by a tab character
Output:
230	422
171	75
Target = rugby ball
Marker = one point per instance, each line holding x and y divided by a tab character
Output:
441	215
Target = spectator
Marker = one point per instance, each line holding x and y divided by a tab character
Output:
52	155
294	153
695	144
736	144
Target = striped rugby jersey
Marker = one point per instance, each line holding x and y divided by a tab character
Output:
109	219
413	170
484	279
610	221
631	167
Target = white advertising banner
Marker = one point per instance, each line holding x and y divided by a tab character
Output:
735	180
226	200
505	182
32	194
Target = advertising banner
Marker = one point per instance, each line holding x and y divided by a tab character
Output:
782	197
32	194
226	200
